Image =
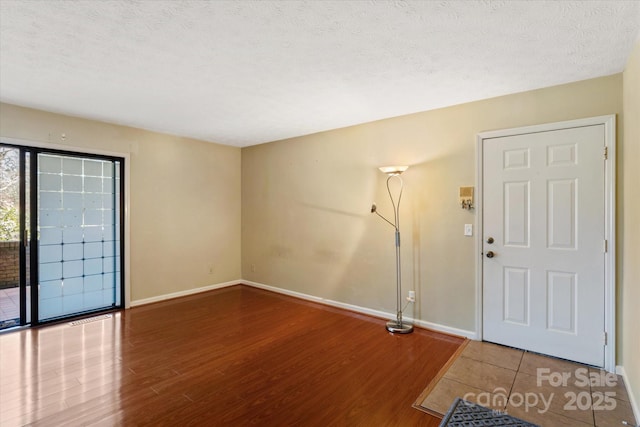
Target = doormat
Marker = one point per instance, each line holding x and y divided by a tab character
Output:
463	413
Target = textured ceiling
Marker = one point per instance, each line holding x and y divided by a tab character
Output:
247	72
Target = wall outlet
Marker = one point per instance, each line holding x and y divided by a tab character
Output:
412	296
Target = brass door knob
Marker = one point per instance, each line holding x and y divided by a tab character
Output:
490	254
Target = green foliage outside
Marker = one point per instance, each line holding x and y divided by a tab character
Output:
9	228
9	179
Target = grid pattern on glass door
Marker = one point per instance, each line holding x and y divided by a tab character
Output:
79	235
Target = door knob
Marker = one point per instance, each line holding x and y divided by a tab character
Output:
490	254
490	240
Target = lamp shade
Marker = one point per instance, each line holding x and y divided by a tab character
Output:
393	170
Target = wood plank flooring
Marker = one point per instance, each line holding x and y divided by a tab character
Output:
235	356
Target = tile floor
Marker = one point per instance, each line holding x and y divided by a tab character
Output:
9	304
539	389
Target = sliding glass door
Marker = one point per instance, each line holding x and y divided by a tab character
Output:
79	226
74	202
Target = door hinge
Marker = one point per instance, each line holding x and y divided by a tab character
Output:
606	153
604	338
606	246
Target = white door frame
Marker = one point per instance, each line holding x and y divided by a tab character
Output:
609	123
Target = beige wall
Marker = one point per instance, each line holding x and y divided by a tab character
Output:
185	198
629	259
306	225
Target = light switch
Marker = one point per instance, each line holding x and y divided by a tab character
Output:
468	229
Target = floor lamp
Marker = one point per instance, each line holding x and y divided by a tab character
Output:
398	326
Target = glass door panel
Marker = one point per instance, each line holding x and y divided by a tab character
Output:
10	237
79	235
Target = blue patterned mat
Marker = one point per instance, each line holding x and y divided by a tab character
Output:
467	414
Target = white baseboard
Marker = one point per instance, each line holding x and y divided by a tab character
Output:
184	293
358	309
364	310
472	335
632	399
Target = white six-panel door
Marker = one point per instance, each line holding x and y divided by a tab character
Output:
544	211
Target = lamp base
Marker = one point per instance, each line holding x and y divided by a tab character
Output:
399	327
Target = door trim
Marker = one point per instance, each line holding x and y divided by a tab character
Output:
609	123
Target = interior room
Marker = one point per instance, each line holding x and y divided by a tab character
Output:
240	274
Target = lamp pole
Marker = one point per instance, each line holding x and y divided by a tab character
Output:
398	325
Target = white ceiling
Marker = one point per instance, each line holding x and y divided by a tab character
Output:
247	72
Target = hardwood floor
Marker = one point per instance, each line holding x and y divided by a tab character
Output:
235	356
